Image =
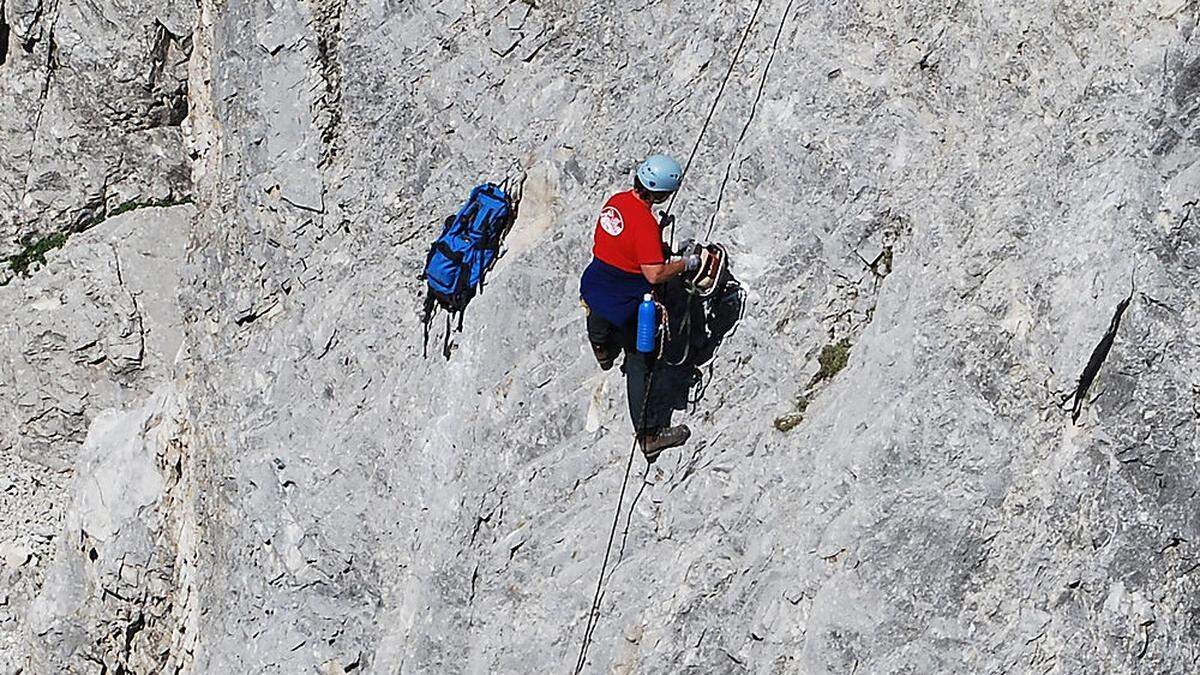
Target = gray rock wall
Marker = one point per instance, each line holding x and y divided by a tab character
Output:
97	329
92	96
936	509
954	199
115	598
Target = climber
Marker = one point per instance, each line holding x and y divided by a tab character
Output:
629	261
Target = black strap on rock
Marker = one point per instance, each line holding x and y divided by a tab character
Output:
1099	355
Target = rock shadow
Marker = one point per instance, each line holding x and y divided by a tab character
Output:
697	329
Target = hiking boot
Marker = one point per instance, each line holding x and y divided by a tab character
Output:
654	442
606	355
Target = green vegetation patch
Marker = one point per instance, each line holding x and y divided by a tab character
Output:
833	358
133	205
788	422
793	419
35	252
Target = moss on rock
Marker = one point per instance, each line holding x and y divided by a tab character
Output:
833	359
35	252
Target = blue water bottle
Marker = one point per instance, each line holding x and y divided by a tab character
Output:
647	325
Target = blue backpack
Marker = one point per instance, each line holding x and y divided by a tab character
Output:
465	252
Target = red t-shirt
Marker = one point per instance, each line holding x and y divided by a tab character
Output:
627	234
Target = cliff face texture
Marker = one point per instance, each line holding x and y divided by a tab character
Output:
955	429
92	100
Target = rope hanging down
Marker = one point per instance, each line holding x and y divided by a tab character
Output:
712	221
620	556
594	612
713	110
762	85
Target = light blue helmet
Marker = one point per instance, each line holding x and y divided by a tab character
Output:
660	173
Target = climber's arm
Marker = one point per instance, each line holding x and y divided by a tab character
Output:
661	272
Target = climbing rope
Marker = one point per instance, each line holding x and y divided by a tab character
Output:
762	85
594	612
629	515
685	327
713	110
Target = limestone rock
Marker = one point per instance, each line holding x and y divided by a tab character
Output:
934	211
98	327
91	101
944	202
107	598
15	555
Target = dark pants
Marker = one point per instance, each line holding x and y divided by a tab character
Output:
637	366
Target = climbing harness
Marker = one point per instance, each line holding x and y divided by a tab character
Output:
707	278
717	319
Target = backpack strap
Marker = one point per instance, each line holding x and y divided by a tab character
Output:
469	212
493	241
426	319
442	247
464	282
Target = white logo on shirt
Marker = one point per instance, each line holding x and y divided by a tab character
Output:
611	221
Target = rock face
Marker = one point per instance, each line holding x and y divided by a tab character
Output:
97	328
936	211
113	595
92	97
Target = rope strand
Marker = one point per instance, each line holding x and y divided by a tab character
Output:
594	612
713	110
762	85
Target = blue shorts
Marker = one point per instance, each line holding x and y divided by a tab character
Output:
611	293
